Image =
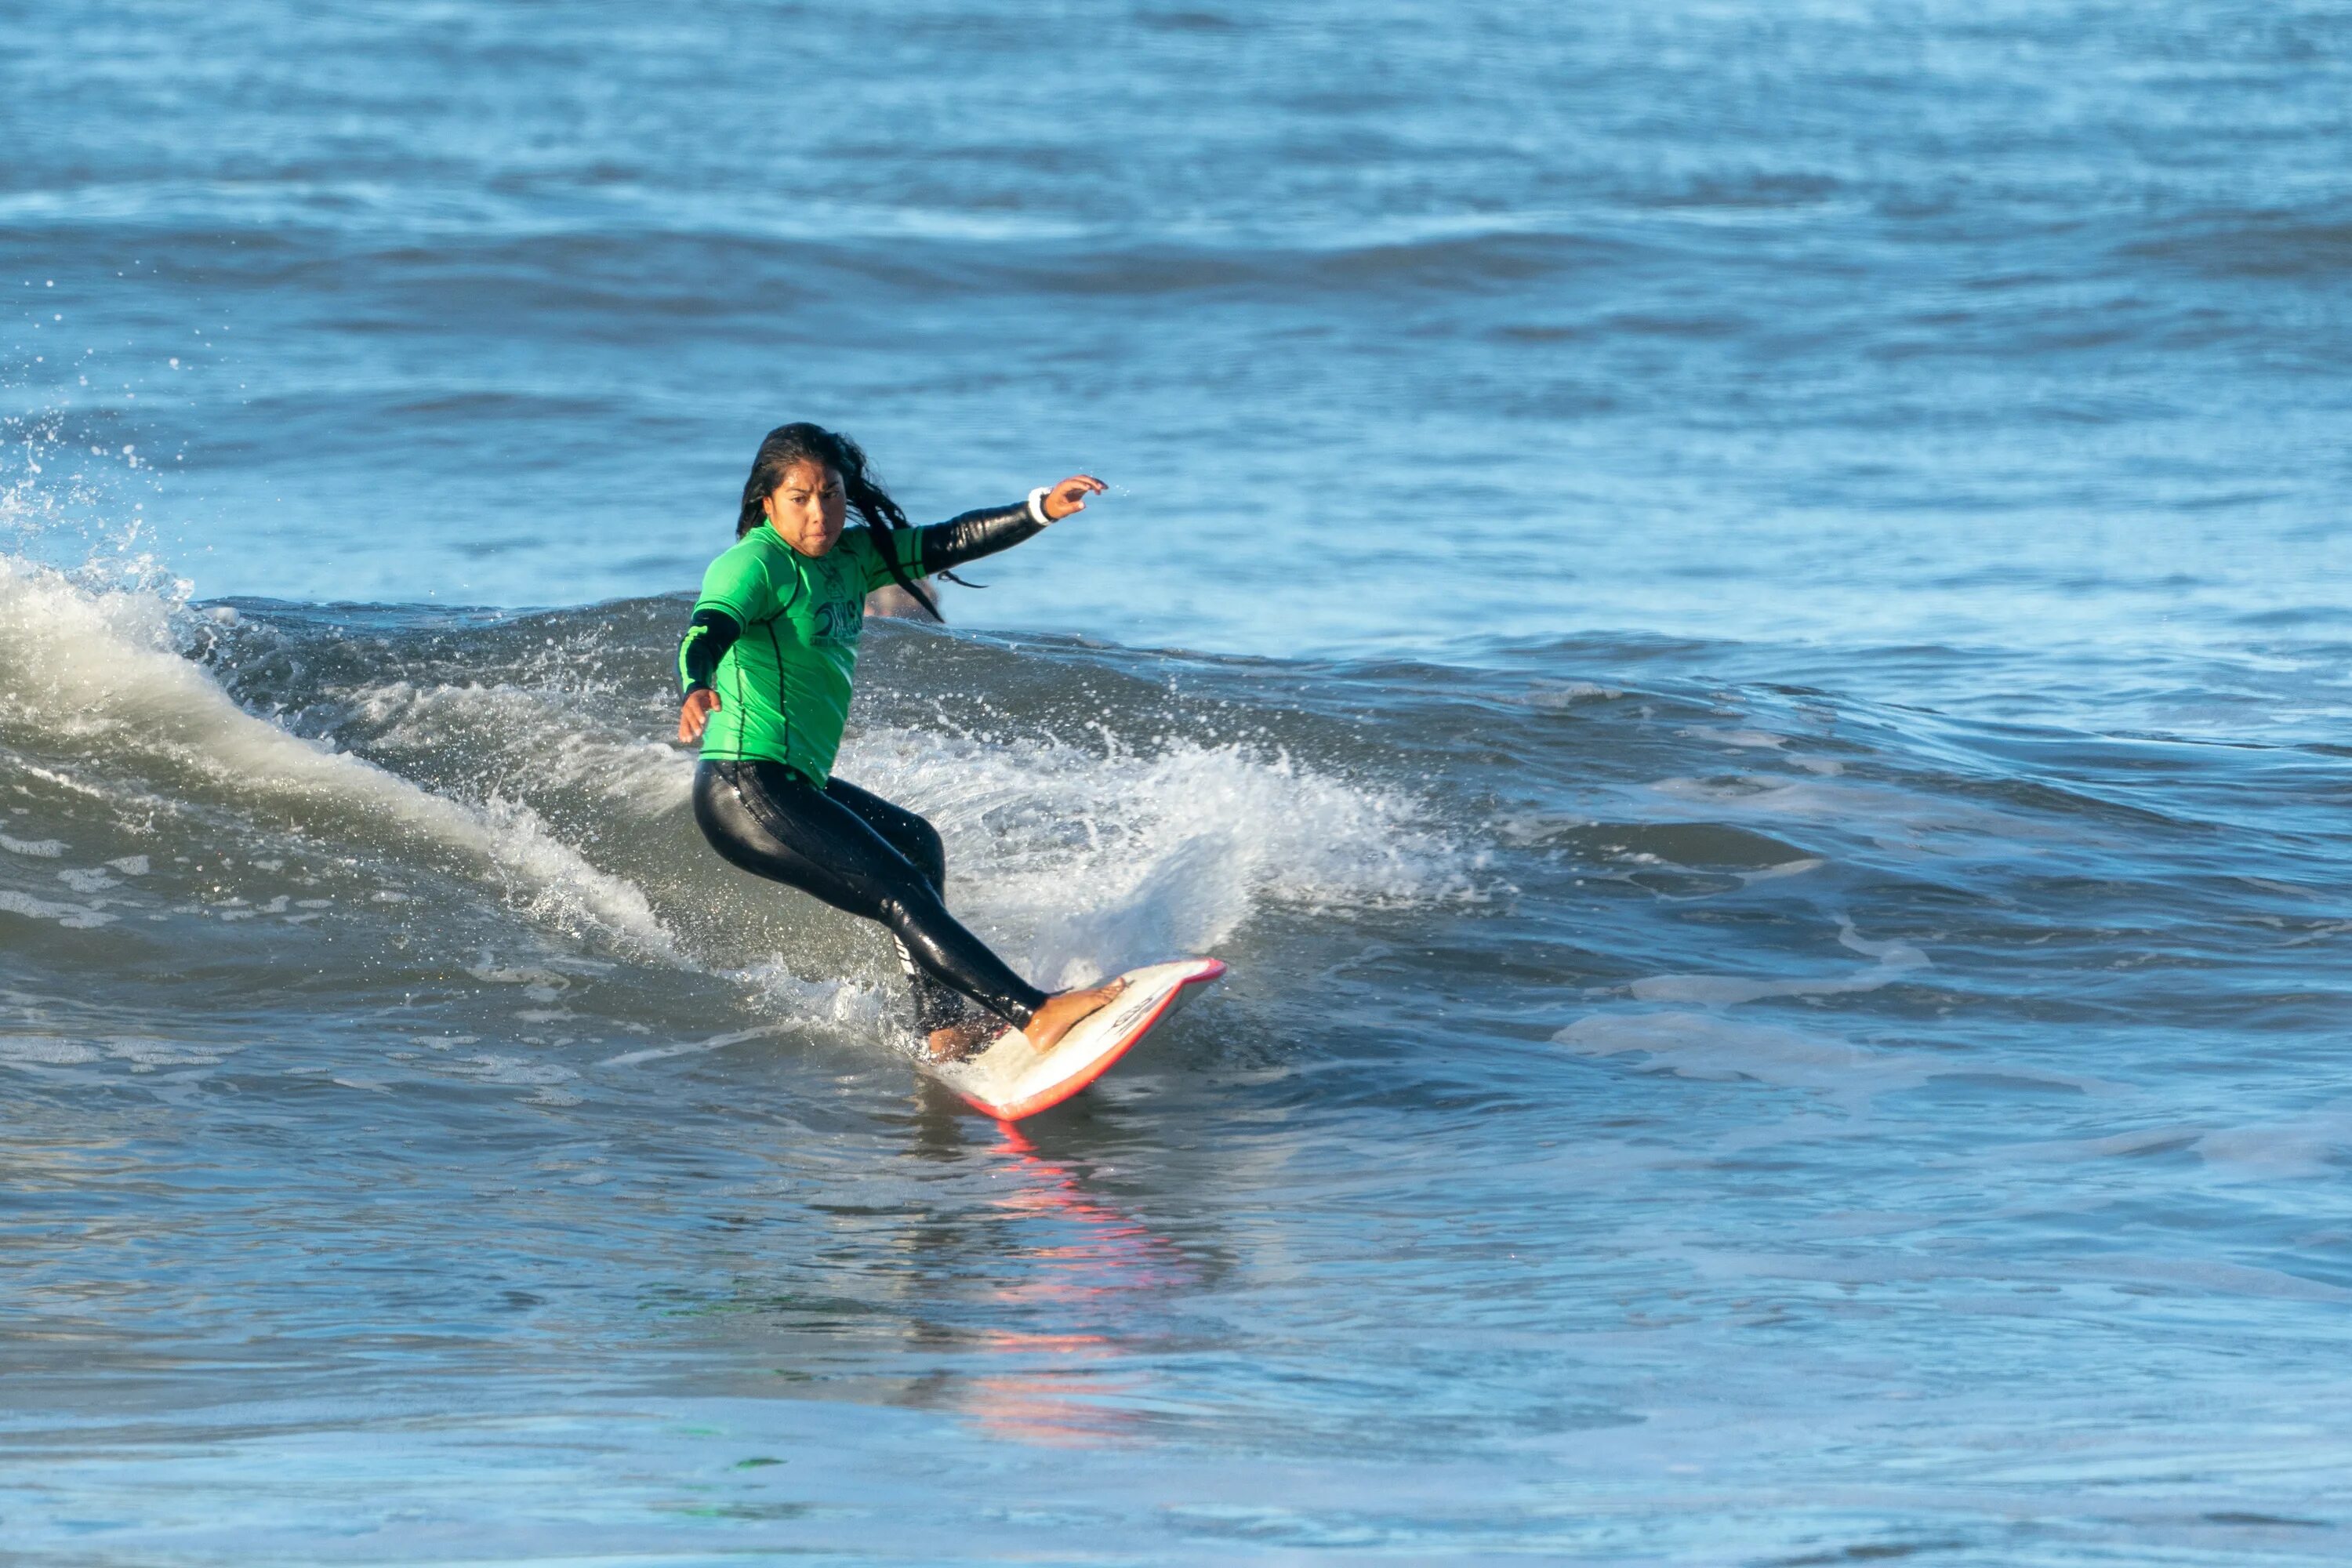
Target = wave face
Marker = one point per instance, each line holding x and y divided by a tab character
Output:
388	793
1605	1055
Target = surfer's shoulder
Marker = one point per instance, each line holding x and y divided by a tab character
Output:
747	554
755	577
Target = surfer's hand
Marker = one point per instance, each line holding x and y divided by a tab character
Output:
694	714
1071	495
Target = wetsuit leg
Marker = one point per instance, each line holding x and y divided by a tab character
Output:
936	1006
774	824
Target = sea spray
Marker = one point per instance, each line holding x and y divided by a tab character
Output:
96	677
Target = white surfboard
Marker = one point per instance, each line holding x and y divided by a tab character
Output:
1008	1079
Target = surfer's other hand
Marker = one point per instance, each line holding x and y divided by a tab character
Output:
1050	1022
1071	495
694	714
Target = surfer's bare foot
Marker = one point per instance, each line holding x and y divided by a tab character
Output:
1050	1022
958	1041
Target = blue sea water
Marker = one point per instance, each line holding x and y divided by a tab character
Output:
1734	615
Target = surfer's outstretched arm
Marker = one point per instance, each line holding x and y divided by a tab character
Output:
984	532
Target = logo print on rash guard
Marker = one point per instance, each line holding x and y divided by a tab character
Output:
840	620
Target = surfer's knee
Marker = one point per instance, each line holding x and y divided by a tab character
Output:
927	850
910	916
911	835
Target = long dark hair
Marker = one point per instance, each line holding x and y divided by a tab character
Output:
804	443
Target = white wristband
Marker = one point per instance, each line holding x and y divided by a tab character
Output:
1037	506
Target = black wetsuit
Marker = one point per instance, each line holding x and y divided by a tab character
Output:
775	634
859	853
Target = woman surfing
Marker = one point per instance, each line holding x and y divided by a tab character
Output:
766	667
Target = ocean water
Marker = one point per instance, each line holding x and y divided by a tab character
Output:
1734	615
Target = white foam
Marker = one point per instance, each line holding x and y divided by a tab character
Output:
1896	961
1563	695
694	1047
44	1050
1083	863
147	1054
502	1070
1704	1046
845	1006
102	665
539	985
2298	1147
1712	1048
2315	1145
39	849
1785	868
559	734
1075	861
78	917
1890	816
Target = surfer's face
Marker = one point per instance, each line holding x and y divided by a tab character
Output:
807	509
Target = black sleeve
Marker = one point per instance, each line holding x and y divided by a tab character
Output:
708	639
975	534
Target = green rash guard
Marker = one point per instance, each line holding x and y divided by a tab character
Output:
784	684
